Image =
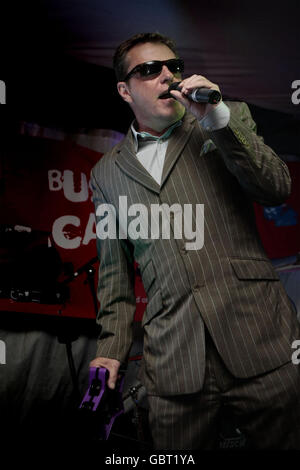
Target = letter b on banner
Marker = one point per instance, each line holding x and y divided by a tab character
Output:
2	92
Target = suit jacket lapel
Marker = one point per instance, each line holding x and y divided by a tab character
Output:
127	161
177	141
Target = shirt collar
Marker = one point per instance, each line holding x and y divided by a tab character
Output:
147	136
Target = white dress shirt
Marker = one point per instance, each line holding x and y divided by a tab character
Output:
151	150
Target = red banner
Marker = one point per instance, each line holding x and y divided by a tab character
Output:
279	227
45	188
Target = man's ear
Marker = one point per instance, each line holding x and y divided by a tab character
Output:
124	91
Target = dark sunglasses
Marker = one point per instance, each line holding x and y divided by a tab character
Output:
148	69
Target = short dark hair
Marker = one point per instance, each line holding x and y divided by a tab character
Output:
119	60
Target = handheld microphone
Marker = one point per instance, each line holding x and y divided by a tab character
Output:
199	95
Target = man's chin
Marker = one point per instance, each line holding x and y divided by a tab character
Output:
171	114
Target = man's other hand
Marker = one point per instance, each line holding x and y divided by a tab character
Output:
112	365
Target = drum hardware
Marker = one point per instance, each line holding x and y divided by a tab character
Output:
89	270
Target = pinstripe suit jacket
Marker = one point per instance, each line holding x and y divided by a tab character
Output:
229	285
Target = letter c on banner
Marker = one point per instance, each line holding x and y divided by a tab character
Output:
60	235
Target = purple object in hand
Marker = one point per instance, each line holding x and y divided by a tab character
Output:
107	403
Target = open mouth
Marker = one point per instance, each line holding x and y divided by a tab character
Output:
165	95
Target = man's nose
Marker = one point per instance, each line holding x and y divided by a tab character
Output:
166	75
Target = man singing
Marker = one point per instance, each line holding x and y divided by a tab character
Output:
219	326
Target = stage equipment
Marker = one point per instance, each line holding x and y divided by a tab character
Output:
101	405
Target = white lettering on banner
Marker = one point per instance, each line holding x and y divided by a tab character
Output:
69	187
296	94
55	180
90	233
2	92
2	352
63	237
185	222
58	180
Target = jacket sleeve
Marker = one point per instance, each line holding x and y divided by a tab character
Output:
115	290
262	174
